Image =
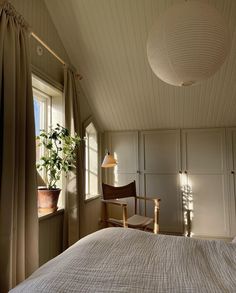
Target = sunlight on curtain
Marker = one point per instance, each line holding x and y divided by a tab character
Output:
74	191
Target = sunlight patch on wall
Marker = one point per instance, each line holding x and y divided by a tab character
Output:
115	170
187	198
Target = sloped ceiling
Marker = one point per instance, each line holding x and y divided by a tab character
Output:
106	41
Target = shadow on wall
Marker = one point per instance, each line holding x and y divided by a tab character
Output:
187	199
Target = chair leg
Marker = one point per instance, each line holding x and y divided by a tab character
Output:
156	220
125	225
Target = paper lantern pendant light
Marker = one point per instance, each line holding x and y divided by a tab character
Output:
188	43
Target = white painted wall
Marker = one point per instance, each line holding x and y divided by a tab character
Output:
37	16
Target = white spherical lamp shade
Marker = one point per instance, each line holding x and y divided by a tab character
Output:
188	43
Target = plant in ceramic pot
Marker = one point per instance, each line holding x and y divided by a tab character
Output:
59	157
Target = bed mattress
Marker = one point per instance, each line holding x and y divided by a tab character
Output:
127	260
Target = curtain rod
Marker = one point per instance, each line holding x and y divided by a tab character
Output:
53	53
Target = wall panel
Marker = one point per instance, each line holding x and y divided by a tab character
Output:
204	161
160	162
50	236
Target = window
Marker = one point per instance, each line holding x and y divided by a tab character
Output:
48	105
91	162
42	116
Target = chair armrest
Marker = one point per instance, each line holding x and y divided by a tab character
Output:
156	211
115	202
154	200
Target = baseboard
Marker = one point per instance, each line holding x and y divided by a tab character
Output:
227	239
171	233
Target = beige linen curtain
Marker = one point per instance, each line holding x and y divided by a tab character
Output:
74	181
18	200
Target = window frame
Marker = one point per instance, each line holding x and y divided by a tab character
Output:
47	119
85	125
43	97
44	90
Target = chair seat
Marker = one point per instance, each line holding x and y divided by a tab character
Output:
133	222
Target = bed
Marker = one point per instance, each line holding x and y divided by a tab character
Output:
127	260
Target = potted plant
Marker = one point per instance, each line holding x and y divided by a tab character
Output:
59	157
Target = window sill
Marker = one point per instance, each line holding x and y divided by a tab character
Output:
92	198
42	217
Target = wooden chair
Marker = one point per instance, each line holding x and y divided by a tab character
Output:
111	196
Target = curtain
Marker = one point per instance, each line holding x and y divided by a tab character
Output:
18	198
74	181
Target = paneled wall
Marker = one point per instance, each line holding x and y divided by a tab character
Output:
203	160
50	236
125	146
231	171
160	162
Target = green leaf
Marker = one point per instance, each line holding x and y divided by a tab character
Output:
60	150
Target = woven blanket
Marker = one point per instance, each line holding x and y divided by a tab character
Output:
127	260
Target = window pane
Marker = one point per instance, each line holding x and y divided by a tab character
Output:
40	118
93	184
93	140
37	116
86	165
91	163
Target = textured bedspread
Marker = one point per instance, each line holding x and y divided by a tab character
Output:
126	260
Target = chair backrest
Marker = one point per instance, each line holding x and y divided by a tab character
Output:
112	192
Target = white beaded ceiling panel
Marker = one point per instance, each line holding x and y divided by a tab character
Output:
107	41
188	43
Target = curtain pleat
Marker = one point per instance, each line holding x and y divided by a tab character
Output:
18	189
74	181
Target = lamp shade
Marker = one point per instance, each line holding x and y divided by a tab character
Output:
188	43
108	161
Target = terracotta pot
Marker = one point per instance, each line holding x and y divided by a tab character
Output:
47	200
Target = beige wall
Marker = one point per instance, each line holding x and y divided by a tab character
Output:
37	15
89	217
50	236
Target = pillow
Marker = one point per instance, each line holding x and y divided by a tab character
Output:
234	240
